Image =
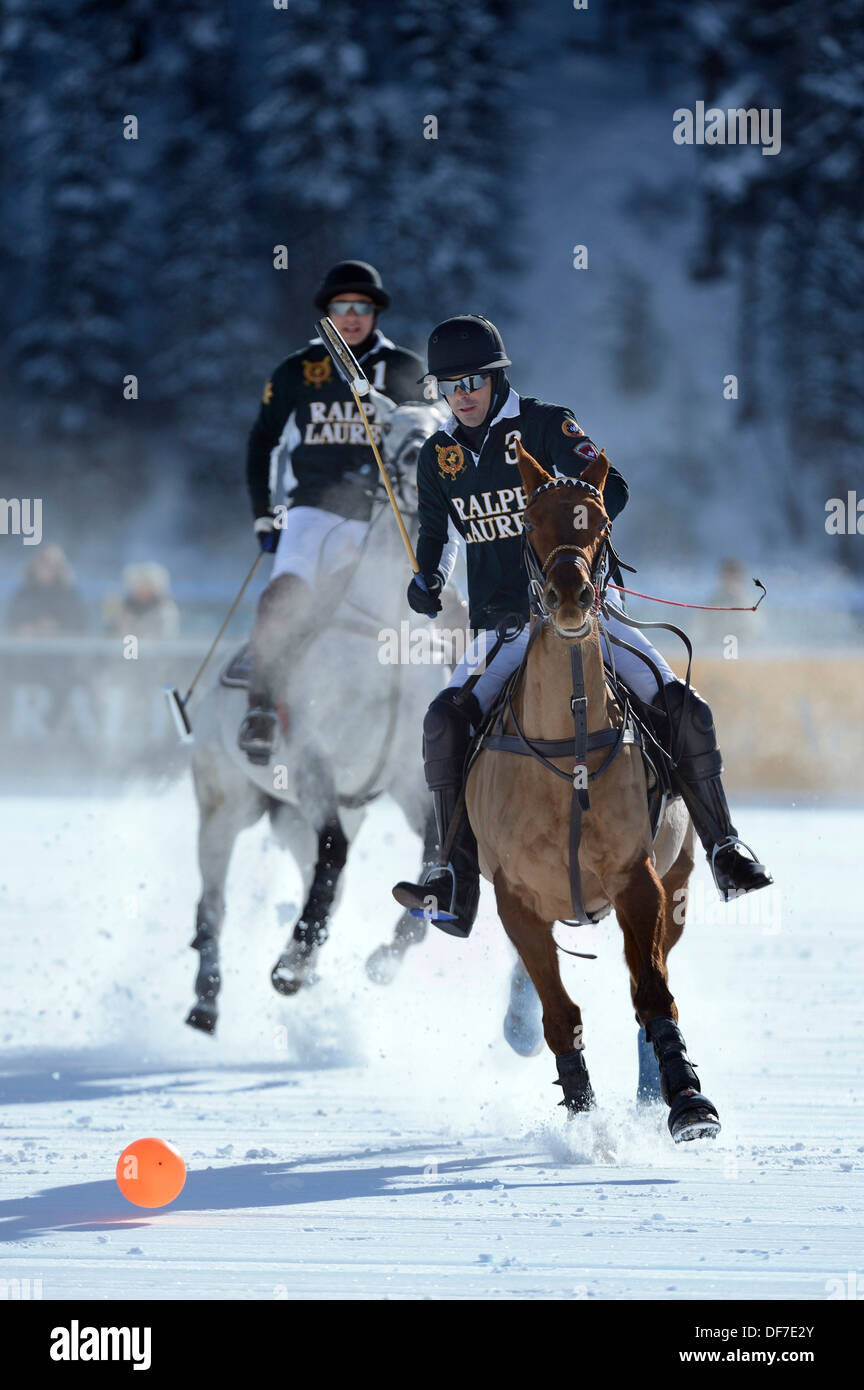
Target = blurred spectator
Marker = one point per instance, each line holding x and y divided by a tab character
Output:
145	608
734	589
48	602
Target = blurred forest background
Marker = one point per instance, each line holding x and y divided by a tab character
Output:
303	126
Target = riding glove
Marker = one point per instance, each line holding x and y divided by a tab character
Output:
423	594
268	536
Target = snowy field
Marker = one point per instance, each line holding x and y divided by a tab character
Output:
368	1143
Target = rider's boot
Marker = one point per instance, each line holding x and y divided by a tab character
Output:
259	730
280	626
697	780
451	893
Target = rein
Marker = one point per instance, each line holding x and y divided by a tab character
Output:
703	607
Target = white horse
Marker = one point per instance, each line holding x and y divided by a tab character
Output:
353	733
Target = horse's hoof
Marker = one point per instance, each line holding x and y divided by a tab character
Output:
290	976
383	965
580	1104
289	982
525	1035
574	1080
692	1116
203	1017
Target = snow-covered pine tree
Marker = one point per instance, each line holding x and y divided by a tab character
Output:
69	349
203	282
315	122
449	204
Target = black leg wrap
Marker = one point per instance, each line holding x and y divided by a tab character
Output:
208	981
691	1115
676	1070
312	928
573	1078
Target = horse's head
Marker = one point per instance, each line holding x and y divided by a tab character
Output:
403	436
565	533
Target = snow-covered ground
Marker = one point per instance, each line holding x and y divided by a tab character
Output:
360	1142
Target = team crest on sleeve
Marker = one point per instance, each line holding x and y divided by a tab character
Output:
570	426
586	450
268	393
316	373
451	459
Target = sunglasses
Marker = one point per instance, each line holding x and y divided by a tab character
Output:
340	307
465	383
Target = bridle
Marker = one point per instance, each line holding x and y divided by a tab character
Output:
597	575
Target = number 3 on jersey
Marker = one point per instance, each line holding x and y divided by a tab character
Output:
510	441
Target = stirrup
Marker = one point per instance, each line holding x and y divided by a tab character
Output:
425	913
258	749
733	842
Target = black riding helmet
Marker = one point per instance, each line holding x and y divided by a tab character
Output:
352	277
464	344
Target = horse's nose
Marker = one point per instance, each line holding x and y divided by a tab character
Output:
586	596
553	598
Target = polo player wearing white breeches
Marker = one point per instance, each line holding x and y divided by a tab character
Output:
465	480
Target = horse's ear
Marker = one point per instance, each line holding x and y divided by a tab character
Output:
596	471
530	471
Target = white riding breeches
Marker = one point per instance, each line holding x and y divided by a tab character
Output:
314	542
633	672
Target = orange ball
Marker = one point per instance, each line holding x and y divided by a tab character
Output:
150	1173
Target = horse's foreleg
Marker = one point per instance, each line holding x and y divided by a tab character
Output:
651	917
385	960
221	820
295	967
562	1019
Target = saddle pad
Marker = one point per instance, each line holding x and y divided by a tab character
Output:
237	670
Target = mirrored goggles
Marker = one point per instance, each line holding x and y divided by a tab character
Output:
340	307
465	383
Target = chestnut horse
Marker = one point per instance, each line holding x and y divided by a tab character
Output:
521	813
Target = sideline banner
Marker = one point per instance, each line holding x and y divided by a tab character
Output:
75	708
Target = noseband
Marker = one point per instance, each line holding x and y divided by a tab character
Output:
538	575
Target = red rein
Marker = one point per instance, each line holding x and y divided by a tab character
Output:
705	607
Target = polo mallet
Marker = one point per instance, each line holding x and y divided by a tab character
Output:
176	703
352	373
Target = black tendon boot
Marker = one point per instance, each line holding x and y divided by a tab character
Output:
451	892
697	779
